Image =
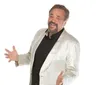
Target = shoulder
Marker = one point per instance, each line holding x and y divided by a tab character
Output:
70	38
39	33
71	42
41	30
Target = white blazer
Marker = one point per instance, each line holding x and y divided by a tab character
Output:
64	56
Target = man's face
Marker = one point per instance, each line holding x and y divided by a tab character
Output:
56	20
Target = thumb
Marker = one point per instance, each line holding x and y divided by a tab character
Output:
61	73
14	48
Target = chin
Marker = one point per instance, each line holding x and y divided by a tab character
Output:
52	29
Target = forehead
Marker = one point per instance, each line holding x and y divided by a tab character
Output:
58	12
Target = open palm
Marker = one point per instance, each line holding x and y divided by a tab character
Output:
12	55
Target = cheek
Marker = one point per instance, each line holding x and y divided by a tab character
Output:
49	19
60	24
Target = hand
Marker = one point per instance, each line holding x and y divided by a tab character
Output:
60	79
12	55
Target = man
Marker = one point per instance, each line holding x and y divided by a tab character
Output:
53	54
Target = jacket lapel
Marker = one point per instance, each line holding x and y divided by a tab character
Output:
36	44
53	53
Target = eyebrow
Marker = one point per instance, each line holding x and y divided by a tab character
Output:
57	15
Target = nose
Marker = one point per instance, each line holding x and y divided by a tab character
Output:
53	20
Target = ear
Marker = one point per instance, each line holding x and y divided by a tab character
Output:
65	22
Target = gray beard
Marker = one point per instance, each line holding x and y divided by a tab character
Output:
52	32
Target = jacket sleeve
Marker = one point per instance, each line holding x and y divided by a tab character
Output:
72	61
23	59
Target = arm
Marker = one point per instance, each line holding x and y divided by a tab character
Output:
72	60
23	59
19	59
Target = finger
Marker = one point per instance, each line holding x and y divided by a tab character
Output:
62	72
14	48
61	83
9	61
8	51
7	57
6	54
61	78
61	75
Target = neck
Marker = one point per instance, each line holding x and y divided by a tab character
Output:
50	33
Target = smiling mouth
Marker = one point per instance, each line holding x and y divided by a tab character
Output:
52	25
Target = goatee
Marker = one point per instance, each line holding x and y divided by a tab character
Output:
51	32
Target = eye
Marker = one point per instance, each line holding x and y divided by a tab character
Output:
51	16
58	18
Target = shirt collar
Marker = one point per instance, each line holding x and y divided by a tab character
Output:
54	35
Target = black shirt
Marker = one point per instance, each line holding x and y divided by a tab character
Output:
41	53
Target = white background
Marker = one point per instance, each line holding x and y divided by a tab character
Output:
19	21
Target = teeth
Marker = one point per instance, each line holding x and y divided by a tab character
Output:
52	24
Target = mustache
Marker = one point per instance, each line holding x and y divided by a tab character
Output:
52	23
